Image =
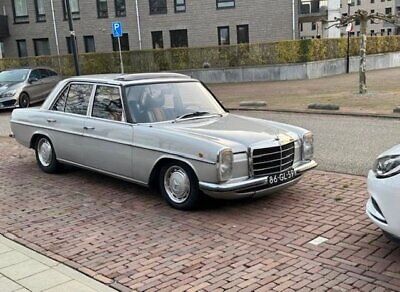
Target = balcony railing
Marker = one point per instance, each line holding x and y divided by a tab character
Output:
4	32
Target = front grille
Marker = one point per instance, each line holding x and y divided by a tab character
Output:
266	161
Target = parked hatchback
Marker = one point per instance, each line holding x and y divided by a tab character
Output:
23	87
384	190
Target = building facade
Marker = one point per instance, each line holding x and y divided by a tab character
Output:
150	24
315	29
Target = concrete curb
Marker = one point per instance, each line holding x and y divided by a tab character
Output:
317	112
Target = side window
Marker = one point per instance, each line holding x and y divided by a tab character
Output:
107	103
78	98
51	73
35	74
60	103
43	73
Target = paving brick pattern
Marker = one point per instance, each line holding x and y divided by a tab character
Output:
125	236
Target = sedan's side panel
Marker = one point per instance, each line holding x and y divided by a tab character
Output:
152	144
107	146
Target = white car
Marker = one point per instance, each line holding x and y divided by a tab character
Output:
384	189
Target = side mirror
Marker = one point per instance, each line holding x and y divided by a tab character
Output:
32	80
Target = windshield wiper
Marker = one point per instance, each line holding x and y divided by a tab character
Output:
193	115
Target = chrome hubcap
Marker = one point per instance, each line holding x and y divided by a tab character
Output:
45	153
177	184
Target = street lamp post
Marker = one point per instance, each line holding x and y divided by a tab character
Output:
348	41
72	37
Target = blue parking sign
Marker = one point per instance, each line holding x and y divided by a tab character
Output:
117	29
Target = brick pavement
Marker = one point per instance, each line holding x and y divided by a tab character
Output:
126	236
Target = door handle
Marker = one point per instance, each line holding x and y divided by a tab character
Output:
51	120
88	128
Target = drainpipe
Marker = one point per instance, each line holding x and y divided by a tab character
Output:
294	20
56	35
138	25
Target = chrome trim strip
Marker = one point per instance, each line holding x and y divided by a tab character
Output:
103	171
189	157
250	183
263	162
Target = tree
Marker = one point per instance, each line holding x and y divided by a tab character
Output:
364	18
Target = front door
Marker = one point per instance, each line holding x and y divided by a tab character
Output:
107	143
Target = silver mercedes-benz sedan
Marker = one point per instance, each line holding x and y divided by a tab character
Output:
164	130
23	87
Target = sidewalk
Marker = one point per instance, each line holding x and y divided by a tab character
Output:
22	269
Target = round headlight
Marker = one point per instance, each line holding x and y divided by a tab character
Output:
225	164
387	166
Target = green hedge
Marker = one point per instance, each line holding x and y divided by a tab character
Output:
282	52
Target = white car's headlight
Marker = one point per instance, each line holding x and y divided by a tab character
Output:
308	146
387	166
10	93
225	165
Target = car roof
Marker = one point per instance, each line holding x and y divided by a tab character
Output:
127	79
29	68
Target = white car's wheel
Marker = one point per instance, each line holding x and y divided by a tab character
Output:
46	156
179	186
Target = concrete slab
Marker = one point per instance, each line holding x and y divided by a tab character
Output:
6	285
44	280
24	269
11	258
71	286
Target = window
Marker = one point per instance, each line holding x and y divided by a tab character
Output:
40	11
22	50
59	105
35	75
382	32
75	11
388	10
389	31
102	9
372	1
78	98
179	38
89	44
124	43
372	32
157	38
107	103
221	4
120	8
223	35
243	34
158	6
180	6
20	9
42	46
69	44
358	2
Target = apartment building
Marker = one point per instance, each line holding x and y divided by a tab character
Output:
35	28
315	29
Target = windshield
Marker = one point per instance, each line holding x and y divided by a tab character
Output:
160	102
14	75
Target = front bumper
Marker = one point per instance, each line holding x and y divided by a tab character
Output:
6	103
383	205
255	187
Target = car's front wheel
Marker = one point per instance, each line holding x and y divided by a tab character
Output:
24	100
46	156
180	186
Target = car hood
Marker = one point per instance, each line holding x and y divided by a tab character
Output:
5	86
235	131
392	151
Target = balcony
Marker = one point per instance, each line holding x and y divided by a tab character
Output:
313	10
4	32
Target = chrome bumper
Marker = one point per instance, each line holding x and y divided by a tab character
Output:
251	187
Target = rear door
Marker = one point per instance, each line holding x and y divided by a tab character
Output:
66	121
107	143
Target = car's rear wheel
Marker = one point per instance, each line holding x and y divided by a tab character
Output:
46	156
24	100
179	186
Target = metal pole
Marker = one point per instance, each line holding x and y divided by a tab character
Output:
348	43
120	55
73	39
138	24
56	35
293	20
